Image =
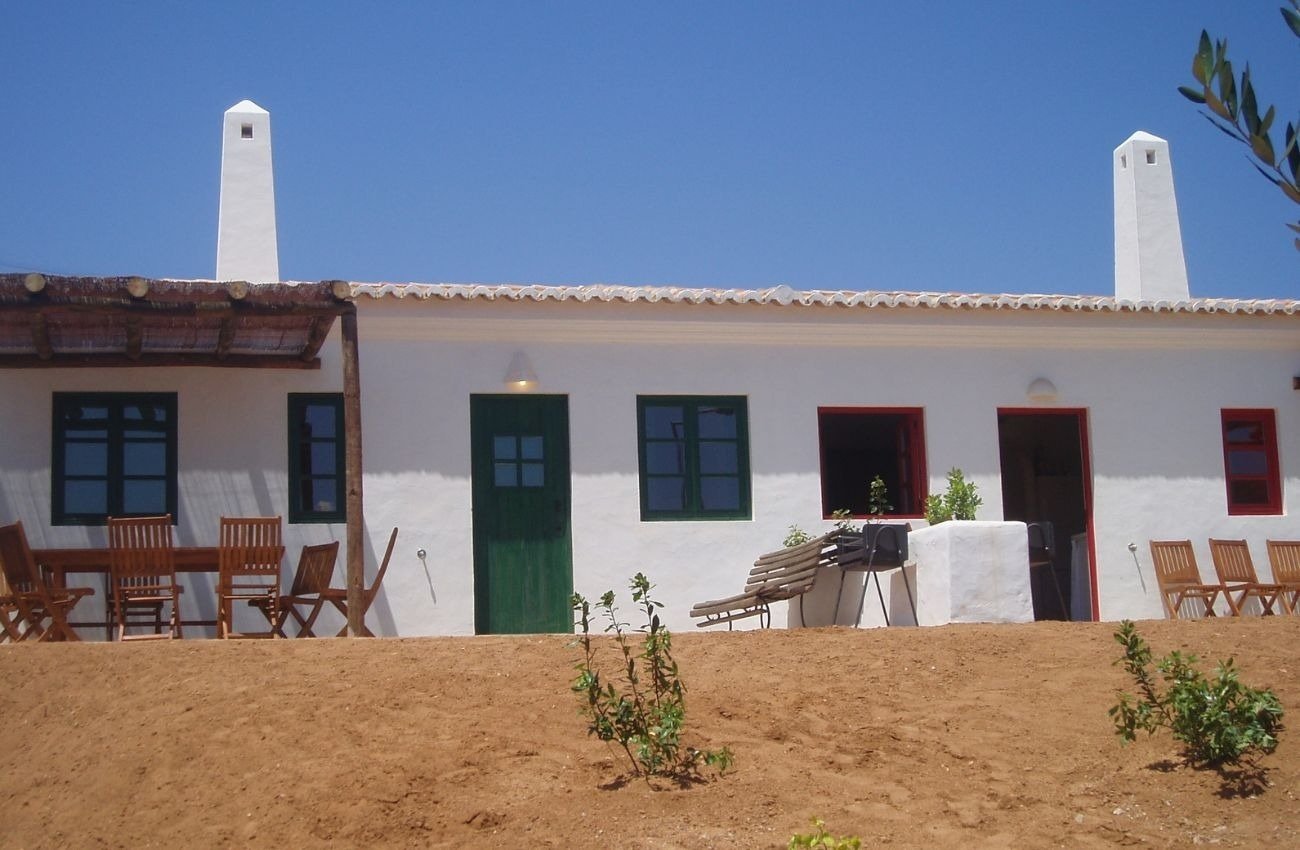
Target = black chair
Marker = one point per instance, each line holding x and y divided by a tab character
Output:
878	548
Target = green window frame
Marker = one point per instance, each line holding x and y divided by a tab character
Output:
114	454
317	478
693	455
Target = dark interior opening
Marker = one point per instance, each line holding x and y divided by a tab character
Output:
1042	481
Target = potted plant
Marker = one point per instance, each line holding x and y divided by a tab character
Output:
878	543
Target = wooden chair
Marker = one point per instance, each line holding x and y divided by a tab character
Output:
142	569
784	574
339	596
1237	575
1179	578
311	587
249	552
1284	558
29	606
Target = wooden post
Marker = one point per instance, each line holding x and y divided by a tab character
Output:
356	552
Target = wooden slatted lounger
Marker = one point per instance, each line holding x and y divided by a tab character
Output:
776	576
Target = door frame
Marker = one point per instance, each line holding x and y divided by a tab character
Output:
478	569
1085	470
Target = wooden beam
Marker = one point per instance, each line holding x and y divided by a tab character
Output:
34	282
225	337
41	338
115	359
138	287
134	339
168	309
356	554
320	328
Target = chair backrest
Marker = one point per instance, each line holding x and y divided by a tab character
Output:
1042	542
315	569
16	558
373	591
1284	558
1175	562
1232	561
250	546
140	550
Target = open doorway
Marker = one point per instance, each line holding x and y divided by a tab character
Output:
1045	479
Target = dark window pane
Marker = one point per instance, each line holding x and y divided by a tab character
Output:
665	458
1244	431
1249	492
505	474
85	497
86	416
718	458
666	494
324	495
319	421
323	459
720	494
717	422
664	422
85	459
144	413
530	448
1247	462
144	497
533	474
144	459
504	448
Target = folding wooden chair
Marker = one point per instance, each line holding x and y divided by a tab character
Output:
142	566
30	607
311	587
1179	578
249	553
1284	559
339	596
1237	575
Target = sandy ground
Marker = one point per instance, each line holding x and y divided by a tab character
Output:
960	736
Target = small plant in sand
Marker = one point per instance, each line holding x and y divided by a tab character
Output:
643	710
821	838
960	502
1218	719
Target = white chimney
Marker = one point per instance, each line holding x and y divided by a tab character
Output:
1149	264
246	245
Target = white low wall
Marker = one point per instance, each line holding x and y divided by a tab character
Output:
972	572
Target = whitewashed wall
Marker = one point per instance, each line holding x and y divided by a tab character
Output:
1152	386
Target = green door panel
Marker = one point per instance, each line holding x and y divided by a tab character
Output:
523	553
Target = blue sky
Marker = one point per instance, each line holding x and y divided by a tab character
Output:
948	146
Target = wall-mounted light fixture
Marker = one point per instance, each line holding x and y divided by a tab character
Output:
520	376
1041	390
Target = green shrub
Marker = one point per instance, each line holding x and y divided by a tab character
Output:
795	536
643	711
960	502
821	838
878	498
1218	720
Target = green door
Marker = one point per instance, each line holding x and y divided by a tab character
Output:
523	556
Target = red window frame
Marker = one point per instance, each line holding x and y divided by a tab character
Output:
911	484
1250	467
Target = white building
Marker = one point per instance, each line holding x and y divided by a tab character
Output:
532	441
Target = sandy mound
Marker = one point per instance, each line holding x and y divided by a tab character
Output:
961	736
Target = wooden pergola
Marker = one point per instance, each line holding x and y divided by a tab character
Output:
51	322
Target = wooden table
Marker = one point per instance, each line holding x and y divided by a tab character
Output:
57	563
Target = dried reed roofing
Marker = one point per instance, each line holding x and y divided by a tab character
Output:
785	296
85	321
